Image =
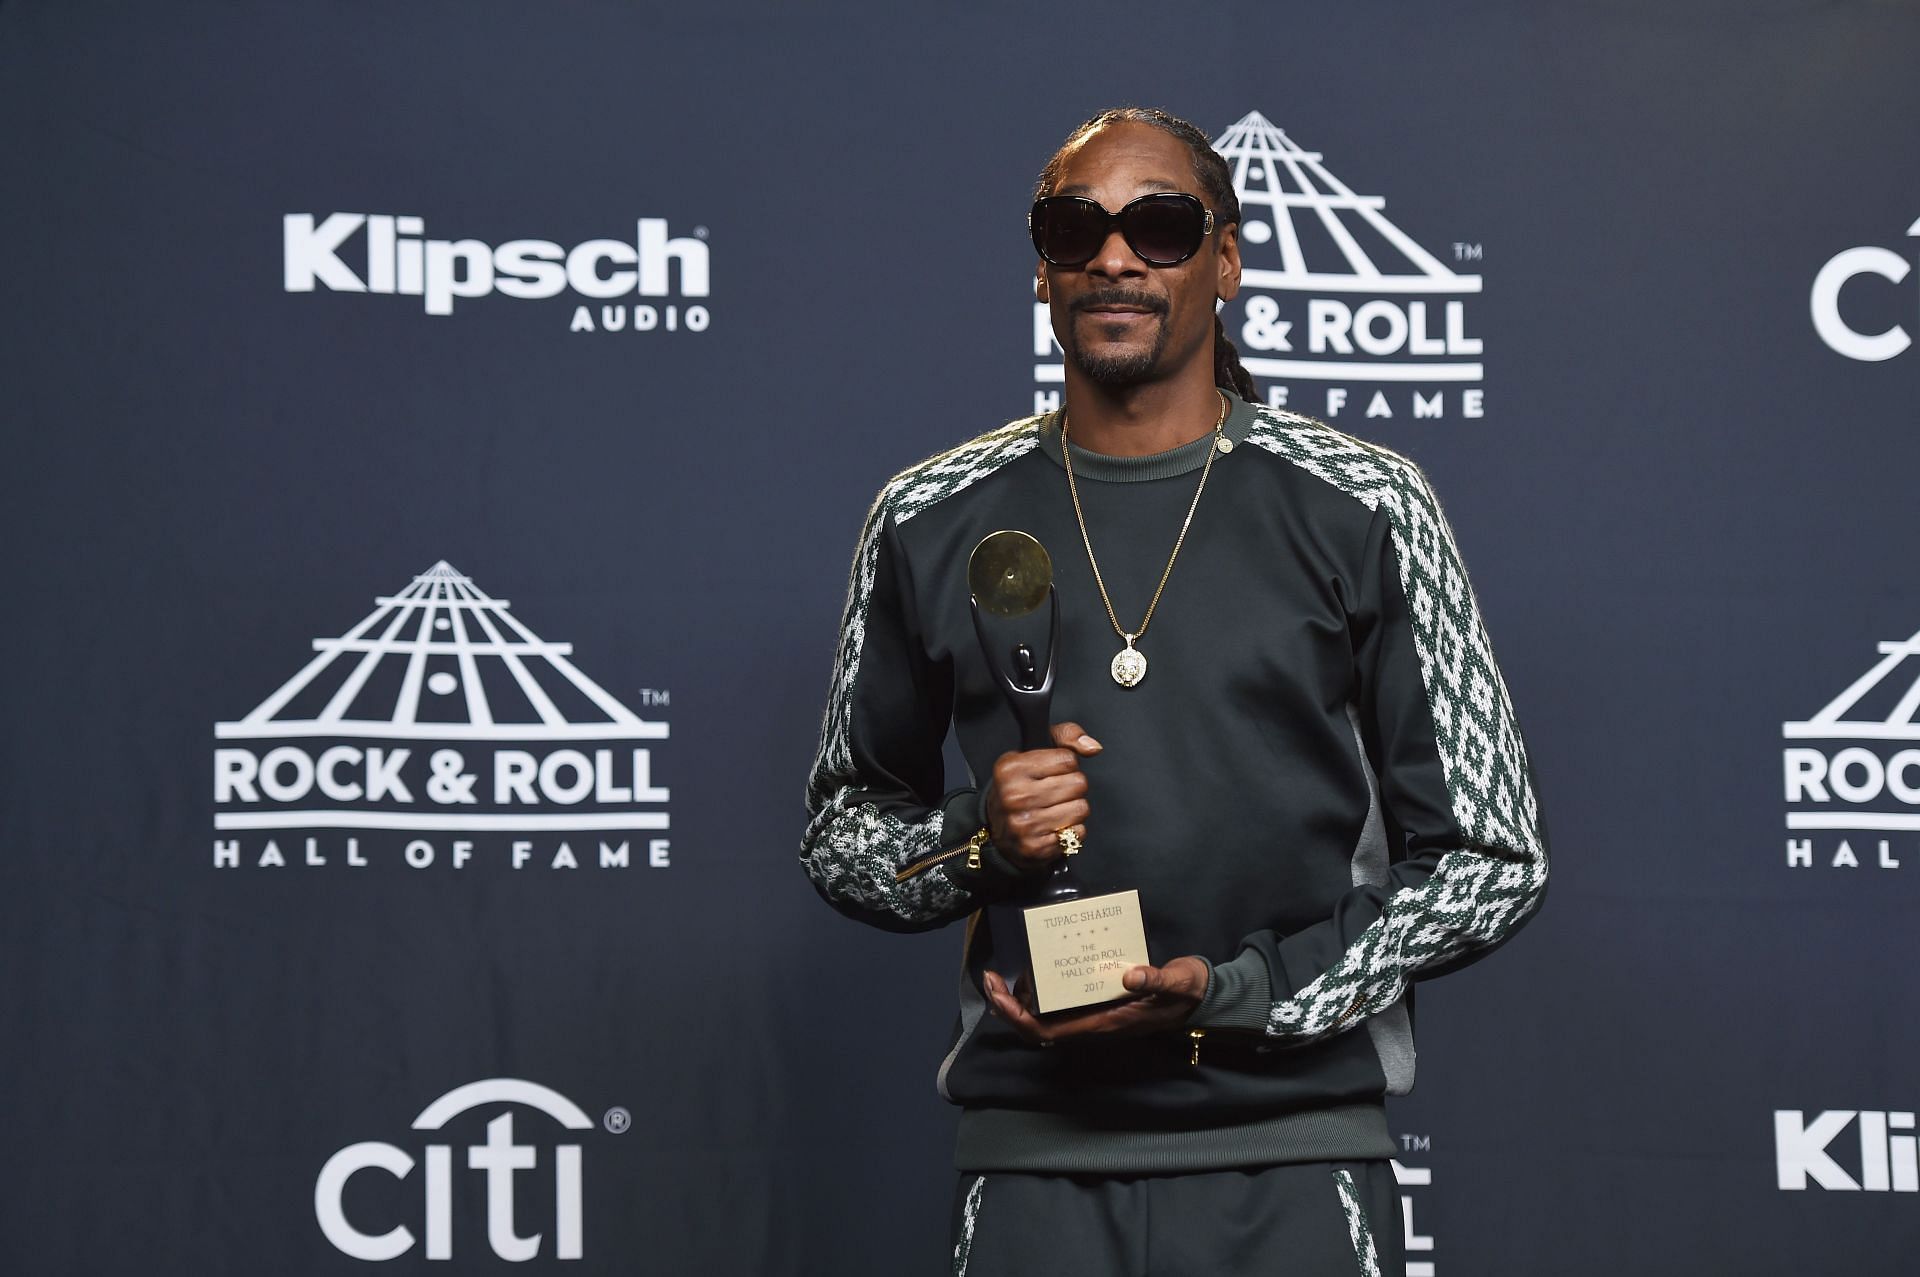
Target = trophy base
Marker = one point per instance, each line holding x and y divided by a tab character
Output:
1081	947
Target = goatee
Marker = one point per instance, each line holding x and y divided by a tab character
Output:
1123	369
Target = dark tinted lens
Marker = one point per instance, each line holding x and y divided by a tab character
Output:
1164	229
1068	230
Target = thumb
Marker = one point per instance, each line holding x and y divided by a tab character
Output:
1074	737
1178	978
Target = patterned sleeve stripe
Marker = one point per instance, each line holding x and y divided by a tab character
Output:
852	848
912	491
1479	742
1478	894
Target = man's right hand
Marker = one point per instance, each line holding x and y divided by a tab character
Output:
1037	793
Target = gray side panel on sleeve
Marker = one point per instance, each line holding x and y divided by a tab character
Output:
972	1007
1392	1029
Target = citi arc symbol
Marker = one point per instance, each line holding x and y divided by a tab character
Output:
1877	763
445	671
499	1158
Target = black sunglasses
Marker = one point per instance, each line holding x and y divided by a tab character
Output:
1165	229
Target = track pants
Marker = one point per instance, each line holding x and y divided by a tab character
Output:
1311	1219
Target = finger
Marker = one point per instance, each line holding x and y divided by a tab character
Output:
1034	840
1075	738
1181	978
1033	793
1040	824
1022	1021
1121	1019
1039	763
1021	991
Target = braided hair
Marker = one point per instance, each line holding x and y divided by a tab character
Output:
1210	170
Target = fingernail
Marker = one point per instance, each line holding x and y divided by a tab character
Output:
1088	742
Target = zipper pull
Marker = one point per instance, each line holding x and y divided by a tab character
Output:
1194	1035
974	844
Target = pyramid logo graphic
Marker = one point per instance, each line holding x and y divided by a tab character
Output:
438	633
1274	176
1860	770
1331	289
439	712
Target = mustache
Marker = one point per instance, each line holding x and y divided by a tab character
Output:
1121	297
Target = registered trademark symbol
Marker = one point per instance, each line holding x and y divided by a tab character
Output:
699	232
617	1120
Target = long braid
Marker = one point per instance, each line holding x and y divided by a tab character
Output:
1228	372
1210	170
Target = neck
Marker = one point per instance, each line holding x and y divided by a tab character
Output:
1138	421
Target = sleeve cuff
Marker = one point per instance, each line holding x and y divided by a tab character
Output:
997	877
1239	994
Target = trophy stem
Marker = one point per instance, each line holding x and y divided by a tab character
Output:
1059	885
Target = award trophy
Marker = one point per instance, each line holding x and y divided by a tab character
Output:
1078	946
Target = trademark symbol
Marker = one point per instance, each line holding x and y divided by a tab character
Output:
617	1120
1466	252
1416	1143
655	697
699	232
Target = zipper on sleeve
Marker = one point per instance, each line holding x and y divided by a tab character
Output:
971	848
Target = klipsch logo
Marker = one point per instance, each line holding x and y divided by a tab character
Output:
1339	310
384	253
499	1160
1804	1151
1418	1245
1838	331
1853	770
440	730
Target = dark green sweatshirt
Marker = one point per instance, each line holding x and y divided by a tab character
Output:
1319	787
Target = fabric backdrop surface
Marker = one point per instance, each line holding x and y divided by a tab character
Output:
435	440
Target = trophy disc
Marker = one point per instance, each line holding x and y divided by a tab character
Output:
1009	573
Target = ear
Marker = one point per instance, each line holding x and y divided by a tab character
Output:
1227	287
1040	283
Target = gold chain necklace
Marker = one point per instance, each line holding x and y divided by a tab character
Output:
1129	663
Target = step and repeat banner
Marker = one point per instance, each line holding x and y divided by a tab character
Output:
436	436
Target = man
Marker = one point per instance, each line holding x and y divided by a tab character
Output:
1282	724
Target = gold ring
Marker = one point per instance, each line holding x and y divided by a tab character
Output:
1069	841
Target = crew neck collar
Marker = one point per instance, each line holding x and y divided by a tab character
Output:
1184	459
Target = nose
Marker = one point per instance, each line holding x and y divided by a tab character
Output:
1116	259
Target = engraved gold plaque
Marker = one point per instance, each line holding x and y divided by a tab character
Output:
1081	947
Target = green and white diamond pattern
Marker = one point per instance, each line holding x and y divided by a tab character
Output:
1366	1259
1482	891
852	849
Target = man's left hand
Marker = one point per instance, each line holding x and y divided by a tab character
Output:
1164	998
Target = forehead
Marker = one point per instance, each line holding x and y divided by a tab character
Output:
1126	159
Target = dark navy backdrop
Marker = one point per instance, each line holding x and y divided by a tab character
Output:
1689	517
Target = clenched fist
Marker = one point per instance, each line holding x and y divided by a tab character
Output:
1037	793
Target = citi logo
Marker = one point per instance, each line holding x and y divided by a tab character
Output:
500	1160
390	254
1888	1162
1842	269
1854	766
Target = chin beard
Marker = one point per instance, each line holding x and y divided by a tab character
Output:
1119	370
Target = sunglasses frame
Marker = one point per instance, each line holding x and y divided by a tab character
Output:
1118	219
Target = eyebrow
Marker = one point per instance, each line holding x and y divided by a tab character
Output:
1149	183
